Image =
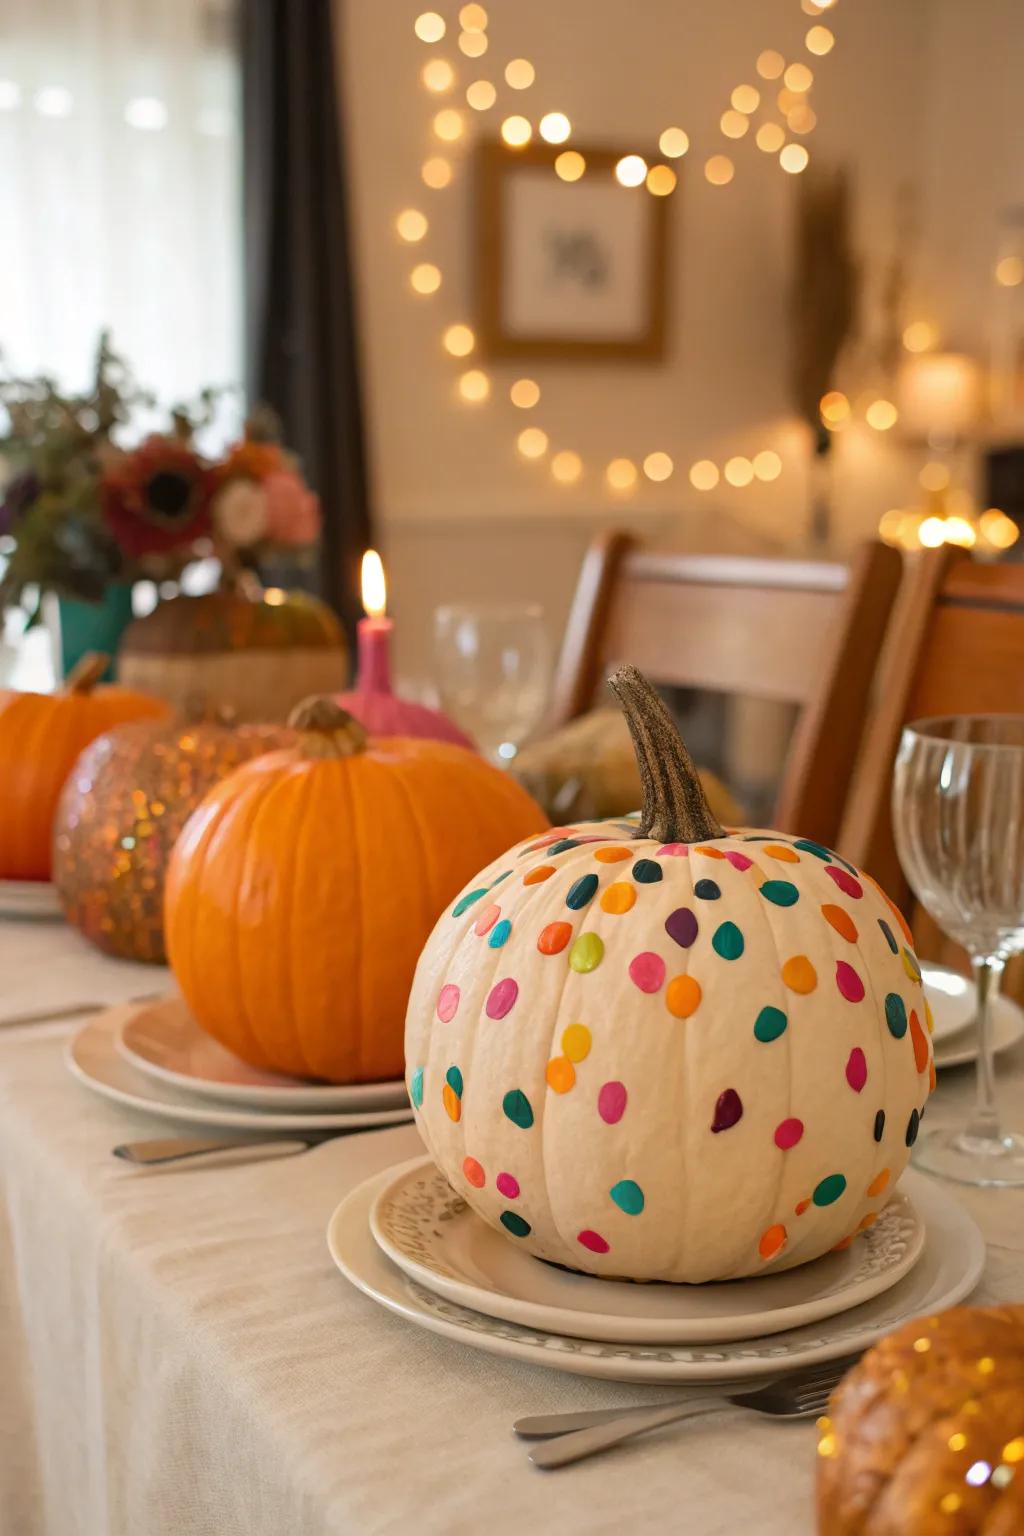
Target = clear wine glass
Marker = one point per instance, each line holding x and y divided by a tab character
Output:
493	667
958	819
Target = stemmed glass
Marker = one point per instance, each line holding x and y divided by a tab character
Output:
958	819
493	668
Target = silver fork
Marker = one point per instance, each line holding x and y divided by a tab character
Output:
573	1437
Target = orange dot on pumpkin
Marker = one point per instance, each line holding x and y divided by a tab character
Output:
452	1102
841	1247
612	855
879	1182
772	1241
867	1221
474	1172
618	898
841	921
801	1206
799	974
781	852
542	872
922	1053
682	996
560	1073
710	853
931	1076
553	939
487	919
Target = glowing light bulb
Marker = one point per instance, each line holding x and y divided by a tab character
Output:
834	408
770	137
739	471
658	467
770	64
448	125
426	278
767	465
733	124
961	532
631	171
881	414
719	170
661	180
437	75
1010	271
532	443
570	165
555	127
920	336
704	475
473	18
525	394
473	44
932	532
411	225
621	474
799	77
436	172
794	158
474	386
819	40
566	467
673	143
481	95
746	98
429	27
516	131
459	340
520	74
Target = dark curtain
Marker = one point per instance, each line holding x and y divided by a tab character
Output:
301	344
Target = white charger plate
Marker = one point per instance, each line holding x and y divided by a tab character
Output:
30	900
436	1238
948	1270
92	1056
163	1041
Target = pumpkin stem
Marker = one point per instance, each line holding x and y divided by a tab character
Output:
86	672
675	806
327	730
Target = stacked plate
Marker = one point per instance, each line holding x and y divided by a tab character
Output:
153	1056
953	999
407	1240
32	900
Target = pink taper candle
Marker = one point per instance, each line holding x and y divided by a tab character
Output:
373	670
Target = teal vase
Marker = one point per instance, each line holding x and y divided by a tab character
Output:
93	626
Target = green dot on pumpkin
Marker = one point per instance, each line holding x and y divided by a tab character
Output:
806	846
517	1108
628	1196
587	952
453	1077
465	902
728	941
781	893
829	1190
416	1088
514	1223
770	1024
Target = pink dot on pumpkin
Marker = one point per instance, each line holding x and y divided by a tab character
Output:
507	1185
487	919
611	1102
502	998
647	971
739	860
674	850
845	881
856	1069
593	1240
448	1002
848	982
788	1133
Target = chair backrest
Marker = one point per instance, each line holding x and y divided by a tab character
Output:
797	631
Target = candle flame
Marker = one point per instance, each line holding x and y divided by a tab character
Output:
375	592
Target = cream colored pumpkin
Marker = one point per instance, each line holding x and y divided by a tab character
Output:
686	1055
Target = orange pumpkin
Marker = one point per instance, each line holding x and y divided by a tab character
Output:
41	735
302	890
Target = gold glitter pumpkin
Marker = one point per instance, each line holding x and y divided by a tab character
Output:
124	803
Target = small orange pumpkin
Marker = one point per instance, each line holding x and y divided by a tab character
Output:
41	735
302	890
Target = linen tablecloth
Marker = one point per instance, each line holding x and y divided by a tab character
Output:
179	1357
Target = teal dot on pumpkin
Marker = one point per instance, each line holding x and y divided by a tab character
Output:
728	941
647	872
514	1223
890	937
587	952
805	844
465	902
707	890
896	1015
416	1088
499	878
564	845
500	933
453	1077
628	1196
829	1190
581	892
781	893
517	1108
770	1024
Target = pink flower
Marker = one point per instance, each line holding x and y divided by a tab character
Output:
293	510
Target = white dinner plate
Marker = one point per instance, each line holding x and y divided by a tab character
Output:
953	999
948	1270
92	1056
436	1238
163	1041
33	900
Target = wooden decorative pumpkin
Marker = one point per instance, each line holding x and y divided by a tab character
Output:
121	810
256	654
41	735
665	1051
302	890
925	1436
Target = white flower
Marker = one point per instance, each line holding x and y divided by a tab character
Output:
240	513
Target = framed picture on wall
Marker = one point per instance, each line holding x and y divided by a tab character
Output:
568	269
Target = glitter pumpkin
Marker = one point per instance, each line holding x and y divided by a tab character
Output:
124	803
693	1067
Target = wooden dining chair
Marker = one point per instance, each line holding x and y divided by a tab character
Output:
795	631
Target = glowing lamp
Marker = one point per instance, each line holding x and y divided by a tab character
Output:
938	395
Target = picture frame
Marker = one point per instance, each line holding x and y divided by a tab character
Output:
575	270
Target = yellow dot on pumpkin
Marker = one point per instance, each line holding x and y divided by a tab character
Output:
781	852
612	855
542	872
910	967
560	1073
929	1017
879	1182
799	975
772	1241
682	996
576	1042
452	1102
618	898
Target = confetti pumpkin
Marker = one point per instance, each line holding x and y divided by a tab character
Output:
667	1052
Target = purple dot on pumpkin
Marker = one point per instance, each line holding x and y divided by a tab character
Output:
611	1102
739	860
856	1069
647	971
788	1133
845	881
849	983
728	1110
593	1240
673	850
508	1185
502	998
448	1002
681	925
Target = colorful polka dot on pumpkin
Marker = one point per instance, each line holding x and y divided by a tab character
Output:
628	1196
581	892
769	1024
560	1074
473	1172
647	971
929	1017
502	998
451	1102
782	853
448	1002
781	893
611	1102
587	953
612	855
537	876
618	898
799	975
682	999
593	1240
499	878
896	1015
707	890
465	902
416	1088
913	1125
487	919
500	933
829	1190
931	1076
576	1042
849	983
890	937
563	845
646	871
710	853
773	1240
728	1111
739	860
911	966
801	1206
879	1183
845	881
681	926
920	1043
508	1185
867	1221
674	850
453	1077
727	941
807	846
517	1108
788	1133
839	919
878	1130
856	1069
553	939
514	1223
